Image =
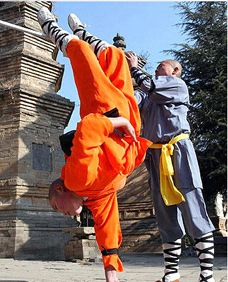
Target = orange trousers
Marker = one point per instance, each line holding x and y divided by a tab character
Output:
100	161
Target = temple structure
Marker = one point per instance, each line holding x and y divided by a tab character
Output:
32	116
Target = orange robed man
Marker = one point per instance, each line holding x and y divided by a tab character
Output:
106	144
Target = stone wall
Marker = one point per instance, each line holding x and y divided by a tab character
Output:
32	116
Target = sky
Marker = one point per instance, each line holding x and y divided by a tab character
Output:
148	27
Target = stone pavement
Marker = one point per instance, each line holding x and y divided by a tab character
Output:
139	267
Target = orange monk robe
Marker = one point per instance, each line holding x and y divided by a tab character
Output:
100	161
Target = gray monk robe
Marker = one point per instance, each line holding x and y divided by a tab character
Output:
163	104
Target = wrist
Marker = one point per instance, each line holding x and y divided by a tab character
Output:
133	68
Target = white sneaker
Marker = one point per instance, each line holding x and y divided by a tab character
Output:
75	23
50	27
78	29
44	15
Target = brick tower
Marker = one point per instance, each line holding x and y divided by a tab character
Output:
32	116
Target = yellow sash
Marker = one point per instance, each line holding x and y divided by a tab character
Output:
170	194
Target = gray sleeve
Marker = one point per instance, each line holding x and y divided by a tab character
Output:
139	96
143	81
169	89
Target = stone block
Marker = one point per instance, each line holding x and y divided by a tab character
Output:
82	245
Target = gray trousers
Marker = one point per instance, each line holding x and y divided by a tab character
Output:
174	221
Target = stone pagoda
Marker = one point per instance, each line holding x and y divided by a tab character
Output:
32	116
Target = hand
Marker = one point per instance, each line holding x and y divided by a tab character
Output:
132	59
123	127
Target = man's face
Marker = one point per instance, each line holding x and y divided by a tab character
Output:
164	69
67	203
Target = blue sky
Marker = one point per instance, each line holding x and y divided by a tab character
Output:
147	27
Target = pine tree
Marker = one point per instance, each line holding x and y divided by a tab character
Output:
204	62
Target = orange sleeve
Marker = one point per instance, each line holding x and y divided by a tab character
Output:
82	168
107	227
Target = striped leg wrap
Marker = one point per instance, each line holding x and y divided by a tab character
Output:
97	44
205	253
56	34
172	252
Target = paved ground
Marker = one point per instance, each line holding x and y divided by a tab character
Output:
138	268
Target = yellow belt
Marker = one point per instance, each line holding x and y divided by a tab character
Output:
170	194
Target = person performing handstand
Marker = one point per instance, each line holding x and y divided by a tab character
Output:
106	144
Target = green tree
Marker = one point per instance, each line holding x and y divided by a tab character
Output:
204	61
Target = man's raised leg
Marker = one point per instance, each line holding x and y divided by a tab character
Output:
78	29
50	27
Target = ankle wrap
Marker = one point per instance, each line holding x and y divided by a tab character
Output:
205	253
172	251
